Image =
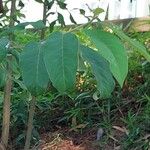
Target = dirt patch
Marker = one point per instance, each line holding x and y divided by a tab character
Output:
65	140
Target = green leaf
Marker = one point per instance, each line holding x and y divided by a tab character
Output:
39	1
49	4
82	11
38	24
21	4
61	19
101	71
134	43
98	11
21	26
61	1
21	85
3	49
51	27
111	48
2	76
33	69
61	4
50	13
61	60
21	15
72	19
16	54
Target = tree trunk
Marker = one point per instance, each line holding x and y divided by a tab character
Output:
7	89
44	20
6	105
30	123
1	6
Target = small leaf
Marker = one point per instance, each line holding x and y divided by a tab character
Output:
61	60
38	24
51	27
72	19
49	4
50	13
61	1
98	11
21	26
101	71
39	1
61	4
82	11
21	4
61	19
20	83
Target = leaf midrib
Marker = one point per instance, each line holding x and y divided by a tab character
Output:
63	73
37	68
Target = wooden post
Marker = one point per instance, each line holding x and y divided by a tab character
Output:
8	86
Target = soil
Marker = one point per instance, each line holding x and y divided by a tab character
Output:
65	140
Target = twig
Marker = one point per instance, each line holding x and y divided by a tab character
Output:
83	25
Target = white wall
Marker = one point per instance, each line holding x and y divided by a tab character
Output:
117	9
142	8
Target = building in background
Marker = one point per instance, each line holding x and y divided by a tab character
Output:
115	9
121	9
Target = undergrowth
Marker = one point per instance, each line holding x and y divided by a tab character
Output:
125	117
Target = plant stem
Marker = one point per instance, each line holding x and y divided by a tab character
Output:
12	13
6	105
8	87
30	123
33	101
83	25
1	6
44	19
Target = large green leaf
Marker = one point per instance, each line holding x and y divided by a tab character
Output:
110	47
21	26
3	49
61	60
101	71
33	69
134	43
